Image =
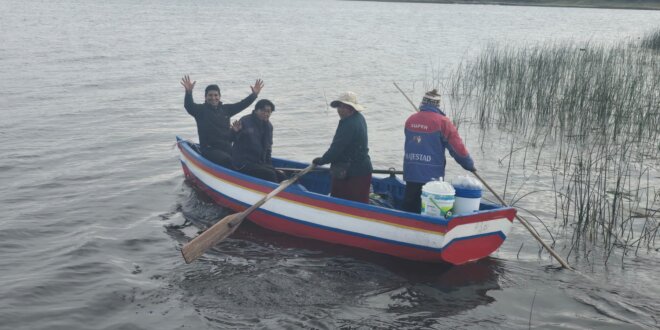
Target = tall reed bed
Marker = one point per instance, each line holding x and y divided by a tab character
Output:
592	113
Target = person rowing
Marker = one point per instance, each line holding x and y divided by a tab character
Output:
348	154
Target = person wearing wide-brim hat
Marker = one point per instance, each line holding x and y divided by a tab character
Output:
348	154
429	133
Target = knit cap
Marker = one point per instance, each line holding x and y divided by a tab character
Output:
432	97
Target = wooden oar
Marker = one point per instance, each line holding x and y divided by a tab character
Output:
527	226
521	220
225	227
290	169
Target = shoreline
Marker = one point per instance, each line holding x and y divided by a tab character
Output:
604	4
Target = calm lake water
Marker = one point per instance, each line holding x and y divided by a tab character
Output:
93	197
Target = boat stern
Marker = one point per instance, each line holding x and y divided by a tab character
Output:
476	236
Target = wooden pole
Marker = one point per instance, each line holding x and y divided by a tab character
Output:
527	226
406	96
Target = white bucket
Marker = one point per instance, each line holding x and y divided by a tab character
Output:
466	204
437	198
468	195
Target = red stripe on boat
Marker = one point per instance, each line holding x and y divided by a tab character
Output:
301	230
362	213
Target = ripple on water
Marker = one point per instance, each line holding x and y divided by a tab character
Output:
283	282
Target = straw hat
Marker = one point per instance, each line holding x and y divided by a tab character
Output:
348	98
432	97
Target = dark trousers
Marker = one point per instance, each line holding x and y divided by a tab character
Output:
262	171
412	199
217	156
353	188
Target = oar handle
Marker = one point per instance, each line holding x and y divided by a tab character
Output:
283	185
526	225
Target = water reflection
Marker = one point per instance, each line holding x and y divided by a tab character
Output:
262	278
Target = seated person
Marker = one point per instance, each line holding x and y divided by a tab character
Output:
253	142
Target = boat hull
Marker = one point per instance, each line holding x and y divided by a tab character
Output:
299	212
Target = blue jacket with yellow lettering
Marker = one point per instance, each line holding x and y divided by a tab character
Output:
428	133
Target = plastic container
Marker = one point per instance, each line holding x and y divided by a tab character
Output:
468	195
466	200
437	198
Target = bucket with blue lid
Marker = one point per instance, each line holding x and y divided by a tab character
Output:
468	195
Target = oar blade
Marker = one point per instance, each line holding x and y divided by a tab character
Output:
212	236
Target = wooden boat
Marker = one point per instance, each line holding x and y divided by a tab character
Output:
306	210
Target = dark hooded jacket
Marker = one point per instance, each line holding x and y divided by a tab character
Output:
213	122
253	143
350	144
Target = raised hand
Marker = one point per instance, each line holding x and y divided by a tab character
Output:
258	85
185	82
236	126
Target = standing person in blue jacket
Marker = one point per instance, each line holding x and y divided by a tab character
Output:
212	119
428	133
348	154
253	143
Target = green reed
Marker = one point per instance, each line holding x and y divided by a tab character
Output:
591	114
652	40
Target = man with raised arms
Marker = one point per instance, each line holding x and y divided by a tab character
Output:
213	118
